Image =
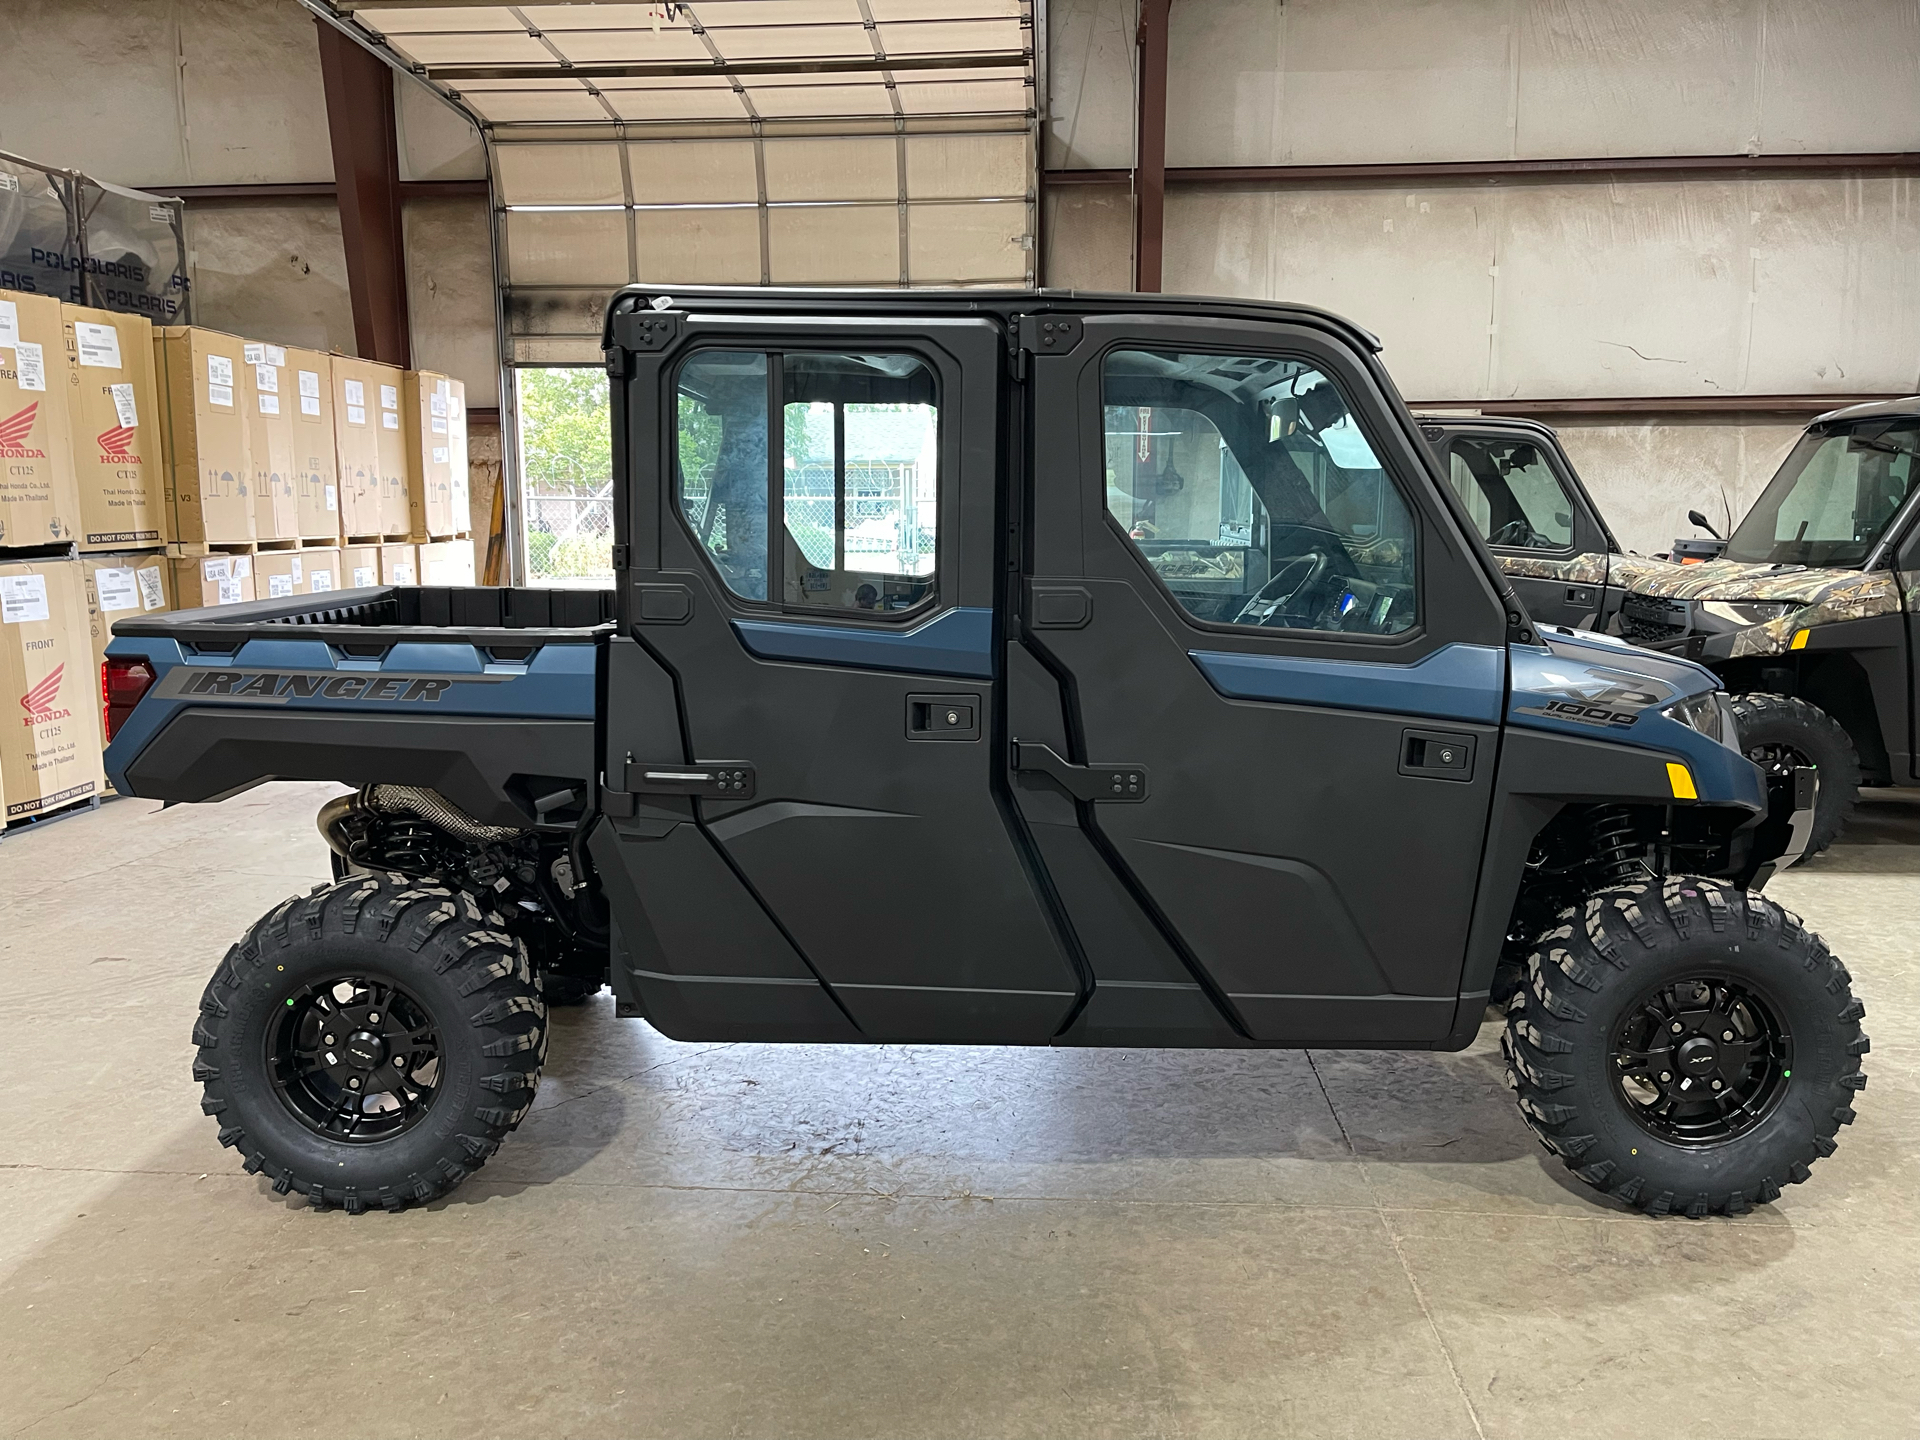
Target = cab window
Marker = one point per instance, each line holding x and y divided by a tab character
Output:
842	448
1515	499
1247	486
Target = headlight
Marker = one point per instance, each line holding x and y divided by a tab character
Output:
1748	612
1709	714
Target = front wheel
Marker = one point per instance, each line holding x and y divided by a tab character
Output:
1685	1046
372	1043
1779	733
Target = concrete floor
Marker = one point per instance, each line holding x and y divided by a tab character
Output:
749	1240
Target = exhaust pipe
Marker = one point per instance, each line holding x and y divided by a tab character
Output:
401	802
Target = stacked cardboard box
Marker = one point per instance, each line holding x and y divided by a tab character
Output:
205	580
120	587
371	449
115	422
50	754
360	566
446	562
39	499
279	574
209	451
316	488
399	565
436	421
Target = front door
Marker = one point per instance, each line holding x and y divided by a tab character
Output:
813	564
1551	548
1274	670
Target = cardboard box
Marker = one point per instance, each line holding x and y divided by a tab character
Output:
370	441
436	418
447	562
119	587
316	485
399	565
209	461
113	414
282	574
50	740
208	580
359	566
268	402
39	497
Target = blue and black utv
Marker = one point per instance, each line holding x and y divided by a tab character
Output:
997	668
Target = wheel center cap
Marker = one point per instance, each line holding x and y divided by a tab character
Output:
365	1050
1698	1055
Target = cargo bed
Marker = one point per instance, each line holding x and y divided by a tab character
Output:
402	685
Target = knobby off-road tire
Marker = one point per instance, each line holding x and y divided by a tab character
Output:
1595	985
1776	729
457	988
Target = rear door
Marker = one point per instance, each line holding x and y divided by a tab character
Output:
1263	682
1534	517
812	569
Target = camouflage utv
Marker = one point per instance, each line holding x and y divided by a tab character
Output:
1810	616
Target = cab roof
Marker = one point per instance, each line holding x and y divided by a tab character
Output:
1872	410
1005	304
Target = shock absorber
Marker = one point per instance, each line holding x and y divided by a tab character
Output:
1614	840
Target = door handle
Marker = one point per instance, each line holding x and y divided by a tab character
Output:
1083	782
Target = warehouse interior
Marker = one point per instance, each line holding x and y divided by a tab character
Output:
1675	235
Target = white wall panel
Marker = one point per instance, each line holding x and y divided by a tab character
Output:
1415	274
1090	83
1771	286
272	272
450	292
1088	236
1646	474
436	141
1307	82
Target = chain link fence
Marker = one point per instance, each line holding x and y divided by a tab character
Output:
568	518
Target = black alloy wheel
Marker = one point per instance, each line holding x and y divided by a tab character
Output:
1701	1060
355	1058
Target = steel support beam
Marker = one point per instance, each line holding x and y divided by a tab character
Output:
1649	167
1150	147
366	169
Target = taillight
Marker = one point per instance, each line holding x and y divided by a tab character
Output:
124	682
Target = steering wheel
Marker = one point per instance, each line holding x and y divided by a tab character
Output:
1519	532
1293	579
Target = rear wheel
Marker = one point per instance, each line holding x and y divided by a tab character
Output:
1779	733
372	1043
1685	1046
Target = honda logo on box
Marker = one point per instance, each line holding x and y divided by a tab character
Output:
38	702
113	446
14	431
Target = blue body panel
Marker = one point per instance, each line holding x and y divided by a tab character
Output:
555	683
1455	682
954	642
1628	682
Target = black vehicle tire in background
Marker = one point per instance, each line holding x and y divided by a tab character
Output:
1777	731
372	1043
1685	1046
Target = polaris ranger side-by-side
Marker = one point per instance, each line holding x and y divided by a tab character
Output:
997	667
1810	616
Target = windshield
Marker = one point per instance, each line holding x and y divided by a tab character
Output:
1834	495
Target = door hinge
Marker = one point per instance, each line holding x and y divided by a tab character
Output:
1082	782
620	557
1049	334
714	779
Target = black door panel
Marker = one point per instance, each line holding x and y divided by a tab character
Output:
1312	887
880	852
